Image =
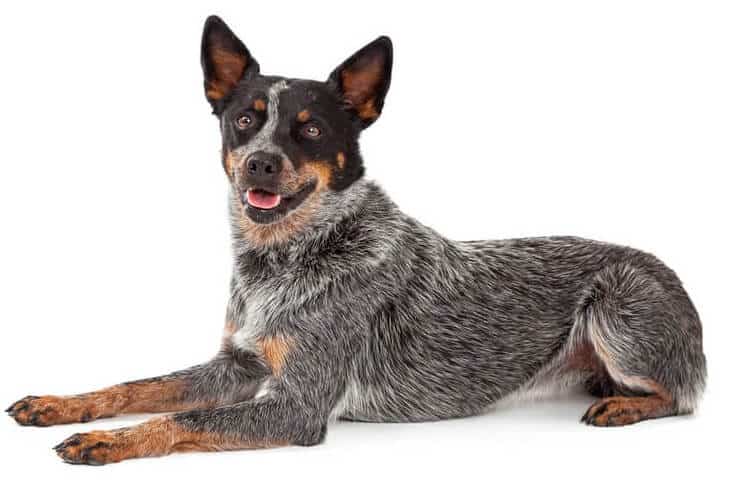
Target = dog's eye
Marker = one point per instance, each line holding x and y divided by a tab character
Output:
244	121
311	131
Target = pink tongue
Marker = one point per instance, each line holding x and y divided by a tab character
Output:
263	200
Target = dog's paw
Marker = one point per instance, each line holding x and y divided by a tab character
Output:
616	411
47	411
94	448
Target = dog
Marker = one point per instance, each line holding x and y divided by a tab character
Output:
343	307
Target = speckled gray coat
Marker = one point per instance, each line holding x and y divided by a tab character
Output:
392	322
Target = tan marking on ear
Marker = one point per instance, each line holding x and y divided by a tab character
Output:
260	105
229	68
368	110
341	160
274	350
364	79
359	87
303	116
215	92
153	438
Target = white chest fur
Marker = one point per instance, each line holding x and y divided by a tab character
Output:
253	321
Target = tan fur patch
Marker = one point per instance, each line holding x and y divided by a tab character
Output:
229	164
154	438
321	169
303	116
153	396
341	160
583	358
359	88
368	110
279	232
260	105
259	235
621	411
229	68
215	91
274	350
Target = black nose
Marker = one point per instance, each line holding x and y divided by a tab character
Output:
263	167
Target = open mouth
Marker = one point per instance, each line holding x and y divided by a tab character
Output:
261	199
264	207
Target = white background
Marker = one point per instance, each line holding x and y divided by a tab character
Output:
607	120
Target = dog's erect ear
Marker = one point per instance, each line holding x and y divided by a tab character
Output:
225	60
363	80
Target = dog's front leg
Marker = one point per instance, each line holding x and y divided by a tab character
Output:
291	408
224	380
259	423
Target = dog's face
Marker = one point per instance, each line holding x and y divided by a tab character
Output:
286	142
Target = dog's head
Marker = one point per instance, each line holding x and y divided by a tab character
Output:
287	142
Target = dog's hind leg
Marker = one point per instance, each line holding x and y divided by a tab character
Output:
646	336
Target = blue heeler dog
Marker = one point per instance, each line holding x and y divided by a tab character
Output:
343	307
